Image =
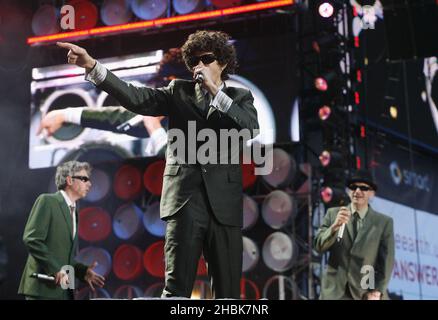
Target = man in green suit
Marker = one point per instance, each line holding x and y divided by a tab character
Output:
51	237
201	202
360	242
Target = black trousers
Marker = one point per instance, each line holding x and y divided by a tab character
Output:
193	231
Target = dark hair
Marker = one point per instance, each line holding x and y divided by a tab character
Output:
217	42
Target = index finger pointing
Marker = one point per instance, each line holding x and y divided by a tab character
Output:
66	45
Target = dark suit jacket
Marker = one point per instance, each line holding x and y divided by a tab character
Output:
48	239
183	101
109	118
374	246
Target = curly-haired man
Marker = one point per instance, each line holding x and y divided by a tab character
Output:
201	201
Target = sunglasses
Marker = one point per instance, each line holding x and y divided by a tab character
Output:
354	187
205	58
82	178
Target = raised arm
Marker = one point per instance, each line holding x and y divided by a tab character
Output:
78	56
141	100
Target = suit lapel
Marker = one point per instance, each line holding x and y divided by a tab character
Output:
199	100
65	212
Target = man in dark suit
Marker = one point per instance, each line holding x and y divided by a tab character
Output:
361	261
51	237
201	202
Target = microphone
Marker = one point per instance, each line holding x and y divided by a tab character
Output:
42	276
341	232
199	78
125	126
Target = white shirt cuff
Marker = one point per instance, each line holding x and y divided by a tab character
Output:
222	102
73	115
97	74
157	140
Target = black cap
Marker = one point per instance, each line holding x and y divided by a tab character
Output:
362	176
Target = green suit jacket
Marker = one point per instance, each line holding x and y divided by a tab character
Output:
373	246
48	238
183	101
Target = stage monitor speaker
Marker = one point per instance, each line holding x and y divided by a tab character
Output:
411	27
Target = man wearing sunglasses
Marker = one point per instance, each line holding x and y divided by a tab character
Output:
361	259
202	202
51	237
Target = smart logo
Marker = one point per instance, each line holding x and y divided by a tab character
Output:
409	178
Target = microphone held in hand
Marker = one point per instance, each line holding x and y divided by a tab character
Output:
199	78
341	232
42	276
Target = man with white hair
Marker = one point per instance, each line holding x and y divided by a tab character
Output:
50	237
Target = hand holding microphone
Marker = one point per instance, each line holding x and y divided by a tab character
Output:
204	77
42	276
199	78
198	74
59	279
342	219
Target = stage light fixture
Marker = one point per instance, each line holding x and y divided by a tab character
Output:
45	20
325	158
321	84
146	8
324	112
114	12
188	6
149	9
393	111
86	14
326	9
333	195
330	158
324	81
326	194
